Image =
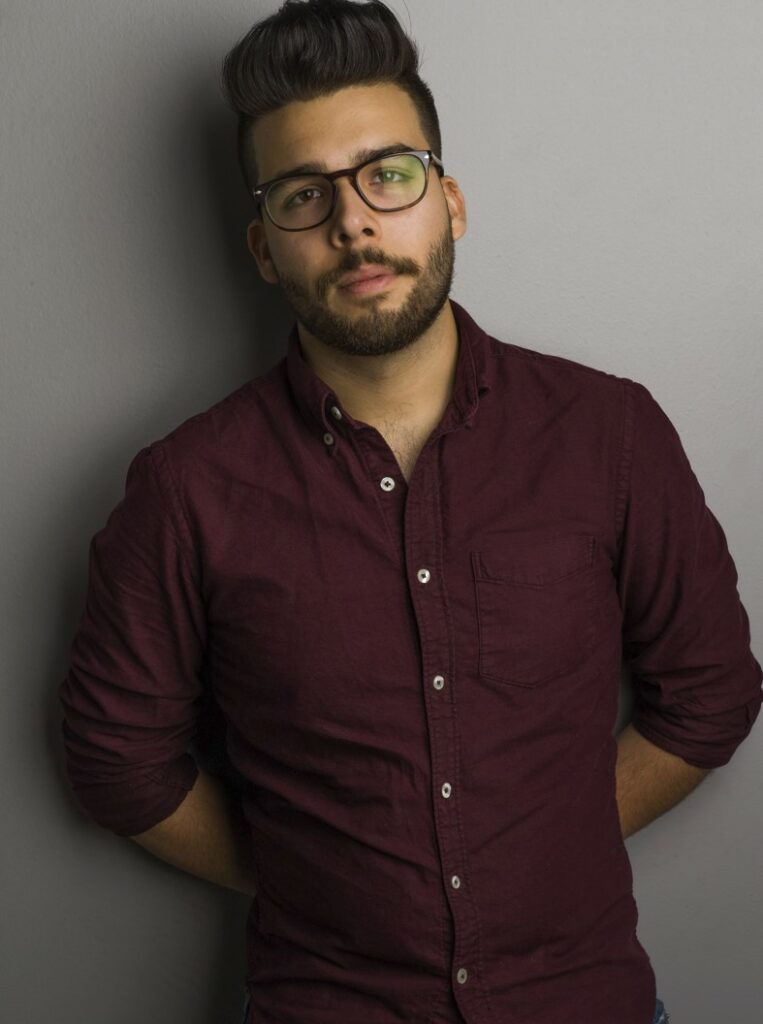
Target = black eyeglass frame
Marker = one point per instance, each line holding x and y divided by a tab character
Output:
426	156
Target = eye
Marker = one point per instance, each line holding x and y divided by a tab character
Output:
292	201
402	176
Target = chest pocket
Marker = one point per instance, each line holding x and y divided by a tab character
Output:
534	602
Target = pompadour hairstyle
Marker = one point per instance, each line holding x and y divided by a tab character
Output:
312	48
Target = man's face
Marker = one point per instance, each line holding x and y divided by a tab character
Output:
417	243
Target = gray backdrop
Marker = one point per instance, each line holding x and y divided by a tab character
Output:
611	157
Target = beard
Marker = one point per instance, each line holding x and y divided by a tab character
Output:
372	330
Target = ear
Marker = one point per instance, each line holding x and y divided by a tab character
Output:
454	197
257	244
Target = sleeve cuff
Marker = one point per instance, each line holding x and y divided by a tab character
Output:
134	804
723	731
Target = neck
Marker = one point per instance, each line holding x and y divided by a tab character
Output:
413	385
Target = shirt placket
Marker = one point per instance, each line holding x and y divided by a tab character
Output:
424	566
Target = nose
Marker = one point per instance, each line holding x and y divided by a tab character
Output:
351	214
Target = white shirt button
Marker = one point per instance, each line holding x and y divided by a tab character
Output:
462	975
387	483
446	789
328	438
455	881
423	575
438	682
336	413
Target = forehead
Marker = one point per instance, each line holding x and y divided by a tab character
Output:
330	130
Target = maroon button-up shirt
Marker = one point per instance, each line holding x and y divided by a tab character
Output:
419	682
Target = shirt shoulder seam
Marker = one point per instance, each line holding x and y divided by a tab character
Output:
625	460
177	511
251	386
534	355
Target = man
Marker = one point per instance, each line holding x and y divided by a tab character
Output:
405	563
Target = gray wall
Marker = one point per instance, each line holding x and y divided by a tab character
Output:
611	156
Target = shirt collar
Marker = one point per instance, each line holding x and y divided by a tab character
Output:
315	398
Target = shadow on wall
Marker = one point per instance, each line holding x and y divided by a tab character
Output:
240	326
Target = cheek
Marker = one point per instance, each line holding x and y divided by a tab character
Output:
430	228
293	259
412	239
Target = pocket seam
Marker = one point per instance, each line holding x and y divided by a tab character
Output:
517	580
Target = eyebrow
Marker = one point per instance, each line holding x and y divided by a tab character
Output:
362	156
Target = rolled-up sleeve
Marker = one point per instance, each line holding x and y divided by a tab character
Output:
133	687
686	634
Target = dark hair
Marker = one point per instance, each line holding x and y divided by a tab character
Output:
311	48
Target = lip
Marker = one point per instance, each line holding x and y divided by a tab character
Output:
368	282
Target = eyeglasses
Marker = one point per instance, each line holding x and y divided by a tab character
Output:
388	183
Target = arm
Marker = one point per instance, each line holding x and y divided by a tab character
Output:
685	632
649	780
205	836
133	697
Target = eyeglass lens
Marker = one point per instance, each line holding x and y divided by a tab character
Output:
388	183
